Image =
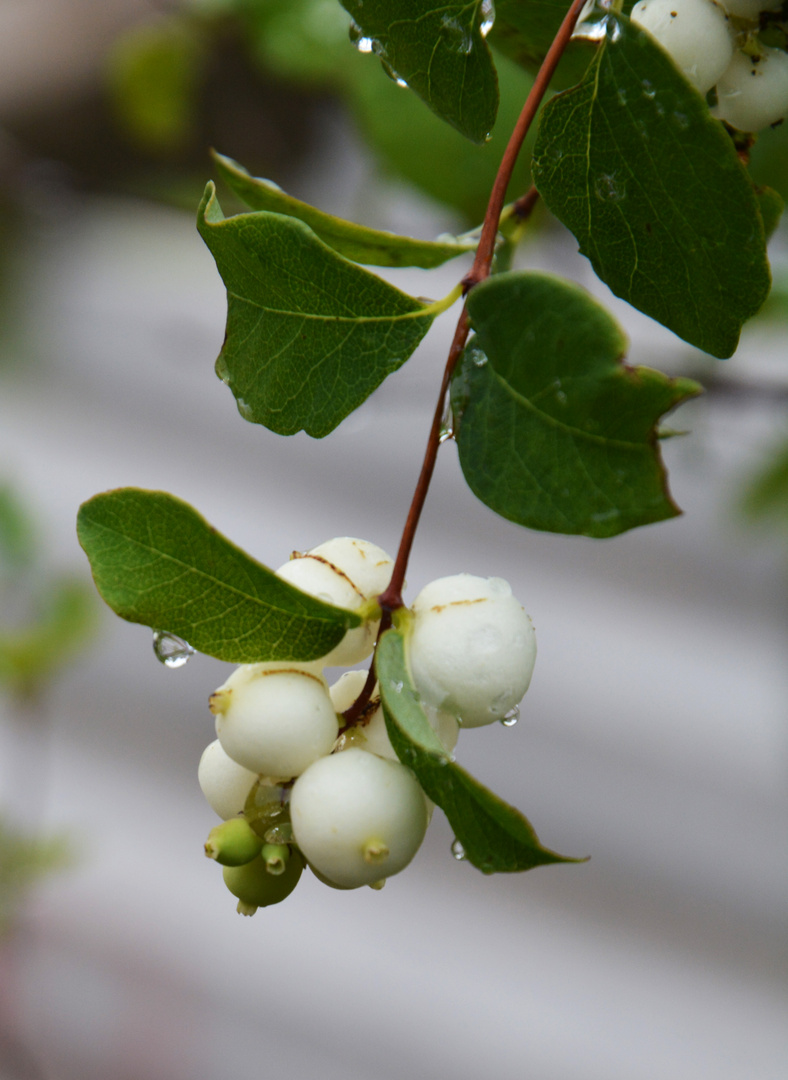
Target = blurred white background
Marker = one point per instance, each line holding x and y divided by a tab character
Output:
653	737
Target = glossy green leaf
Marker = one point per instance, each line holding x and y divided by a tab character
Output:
554	431
651	185
309	335
525	31
356	242
496	837
155	561
439	50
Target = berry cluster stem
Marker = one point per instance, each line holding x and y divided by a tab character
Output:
391	598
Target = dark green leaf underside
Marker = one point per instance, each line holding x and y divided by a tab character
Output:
496	837
554	431
155	561
439	51
651	185
356	242
309	334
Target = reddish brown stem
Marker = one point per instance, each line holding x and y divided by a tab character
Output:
391	599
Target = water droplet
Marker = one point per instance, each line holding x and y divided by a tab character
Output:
648	90
392	74
488	17
170	650
279	834
607	188
446	434
478	357
613	30
363	44
510	718
397	687
377	885
244	408
457	850
446	431
458	37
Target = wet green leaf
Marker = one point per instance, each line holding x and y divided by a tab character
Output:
652	187
554	431
155	561
525	32
356	242
439	50
309	334
496	837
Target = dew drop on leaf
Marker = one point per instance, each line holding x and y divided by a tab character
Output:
170	650
488	17
457	850
362	43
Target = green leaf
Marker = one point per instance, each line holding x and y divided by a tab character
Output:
525	32
309	335
356	242
495	836
651	185
156	561
771	205
554	432
439	50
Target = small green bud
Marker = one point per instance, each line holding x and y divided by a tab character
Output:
275	857
233	843
255	887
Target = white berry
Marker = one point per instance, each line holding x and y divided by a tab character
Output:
372	735
753	92
358	817
225	783
471	648
367	565
329	572
694	33
275	719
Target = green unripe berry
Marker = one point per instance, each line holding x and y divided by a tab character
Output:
255	887
233	843
276	858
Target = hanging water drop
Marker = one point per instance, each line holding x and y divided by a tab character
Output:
457	850
171	650
363	43
488	17
510	718
446	431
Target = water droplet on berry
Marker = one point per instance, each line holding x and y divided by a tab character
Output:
510	718
171	650
279	834
457	850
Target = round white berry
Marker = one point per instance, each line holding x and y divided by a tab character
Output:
753	92
358	817
225	783
275	719
368	566
471	648
372	735
320	578
694	33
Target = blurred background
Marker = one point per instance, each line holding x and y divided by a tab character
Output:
653	738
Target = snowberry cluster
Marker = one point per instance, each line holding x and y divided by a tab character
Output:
296	785
716	45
